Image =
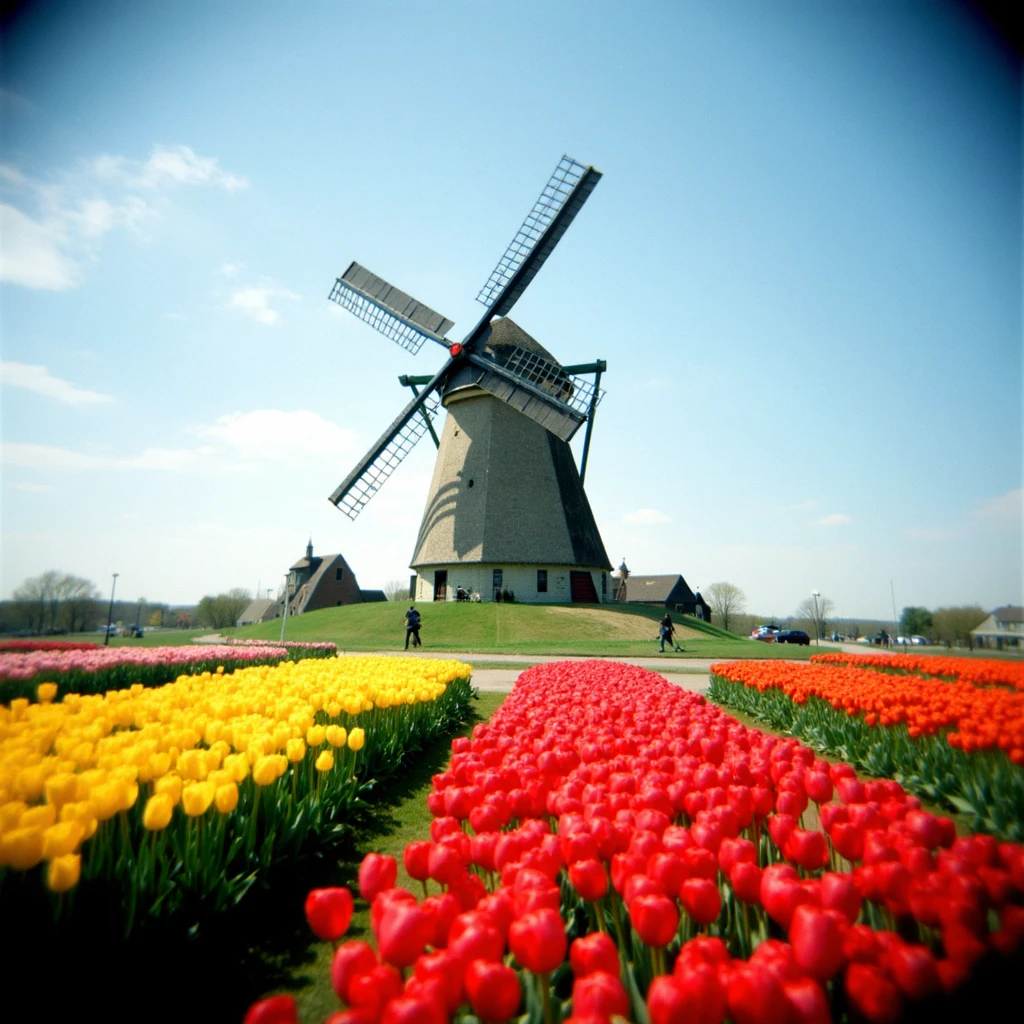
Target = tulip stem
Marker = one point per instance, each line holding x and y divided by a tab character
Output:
544	980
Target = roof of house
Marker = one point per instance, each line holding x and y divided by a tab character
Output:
1009	613
256	610
658	588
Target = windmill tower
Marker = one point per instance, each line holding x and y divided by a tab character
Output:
506	513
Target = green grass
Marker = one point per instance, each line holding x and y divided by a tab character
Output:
519	629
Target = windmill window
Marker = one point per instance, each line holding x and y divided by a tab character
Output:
496	580
338	573
542	581
470	483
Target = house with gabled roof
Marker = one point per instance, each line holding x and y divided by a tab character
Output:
314	582
670	592
1003	628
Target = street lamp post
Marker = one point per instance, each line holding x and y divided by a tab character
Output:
110	610
817	619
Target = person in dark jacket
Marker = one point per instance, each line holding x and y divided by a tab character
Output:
412	627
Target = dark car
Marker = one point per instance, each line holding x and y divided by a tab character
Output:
792	636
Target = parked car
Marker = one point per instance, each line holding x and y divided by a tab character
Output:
765	633
792	636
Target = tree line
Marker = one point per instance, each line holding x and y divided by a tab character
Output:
56	602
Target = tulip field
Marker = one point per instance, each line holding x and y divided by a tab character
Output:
950	730
181	794
611	846
85	668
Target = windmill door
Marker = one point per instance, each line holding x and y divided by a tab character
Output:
440	584
581	584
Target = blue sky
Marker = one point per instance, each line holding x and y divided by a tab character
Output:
803	266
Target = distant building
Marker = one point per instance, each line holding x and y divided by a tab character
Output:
670	592
258	611
1003	628
314	582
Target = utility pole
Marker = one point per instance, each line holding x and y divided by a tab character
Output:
284	616
110	610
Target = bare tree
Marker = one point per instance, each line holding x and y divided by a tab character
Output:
816	612
396	590
954	625
726	600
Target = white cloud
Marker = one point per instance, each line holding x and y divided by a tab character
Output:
255	303
276	435
32	255
47	457
181	165
39	380
1006	506
646	517
57	225
833	519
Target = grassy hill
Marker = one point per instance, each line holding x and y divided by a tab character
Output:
484	628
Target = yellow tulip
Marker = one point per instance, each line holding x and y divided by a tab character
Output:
325	762
169	786
226	797
46	692
336	735
356	739
42	816
238	766
196	798
63	872
62	838
84	813
108	798
10	814
296	750
158	811
264	771
315	735
22	848
30	781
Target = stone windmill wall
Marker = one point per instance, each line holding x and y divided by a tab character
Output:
506	510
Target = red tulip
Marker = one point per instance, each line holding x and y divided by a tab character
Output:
415	858
404	931
755	996
807	1001
382	901
535	899
701	991
594	952
839	893
780	826
655	918
872	994
375	988
353	1015
350	959
819	787
732	851
446	968
329	912
599	995
848	839
479	941
807	849
538	940
701	899
493	990
589	879
273	1010
406	1009
781	892
914	969
745	879
817	939
377	872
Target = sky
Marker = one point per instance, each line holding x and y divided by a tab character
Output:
802	265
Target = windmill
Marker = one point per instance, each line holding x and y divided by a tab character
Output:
506	510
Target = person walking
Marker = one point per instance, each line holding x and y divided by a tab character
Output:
667	632
412	627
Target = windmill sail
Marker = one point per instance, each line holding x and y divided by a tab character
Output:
560	200
387	454
397	316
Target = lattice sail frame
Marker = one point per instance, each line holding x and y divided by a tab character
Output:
376	474
552	198
576	392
